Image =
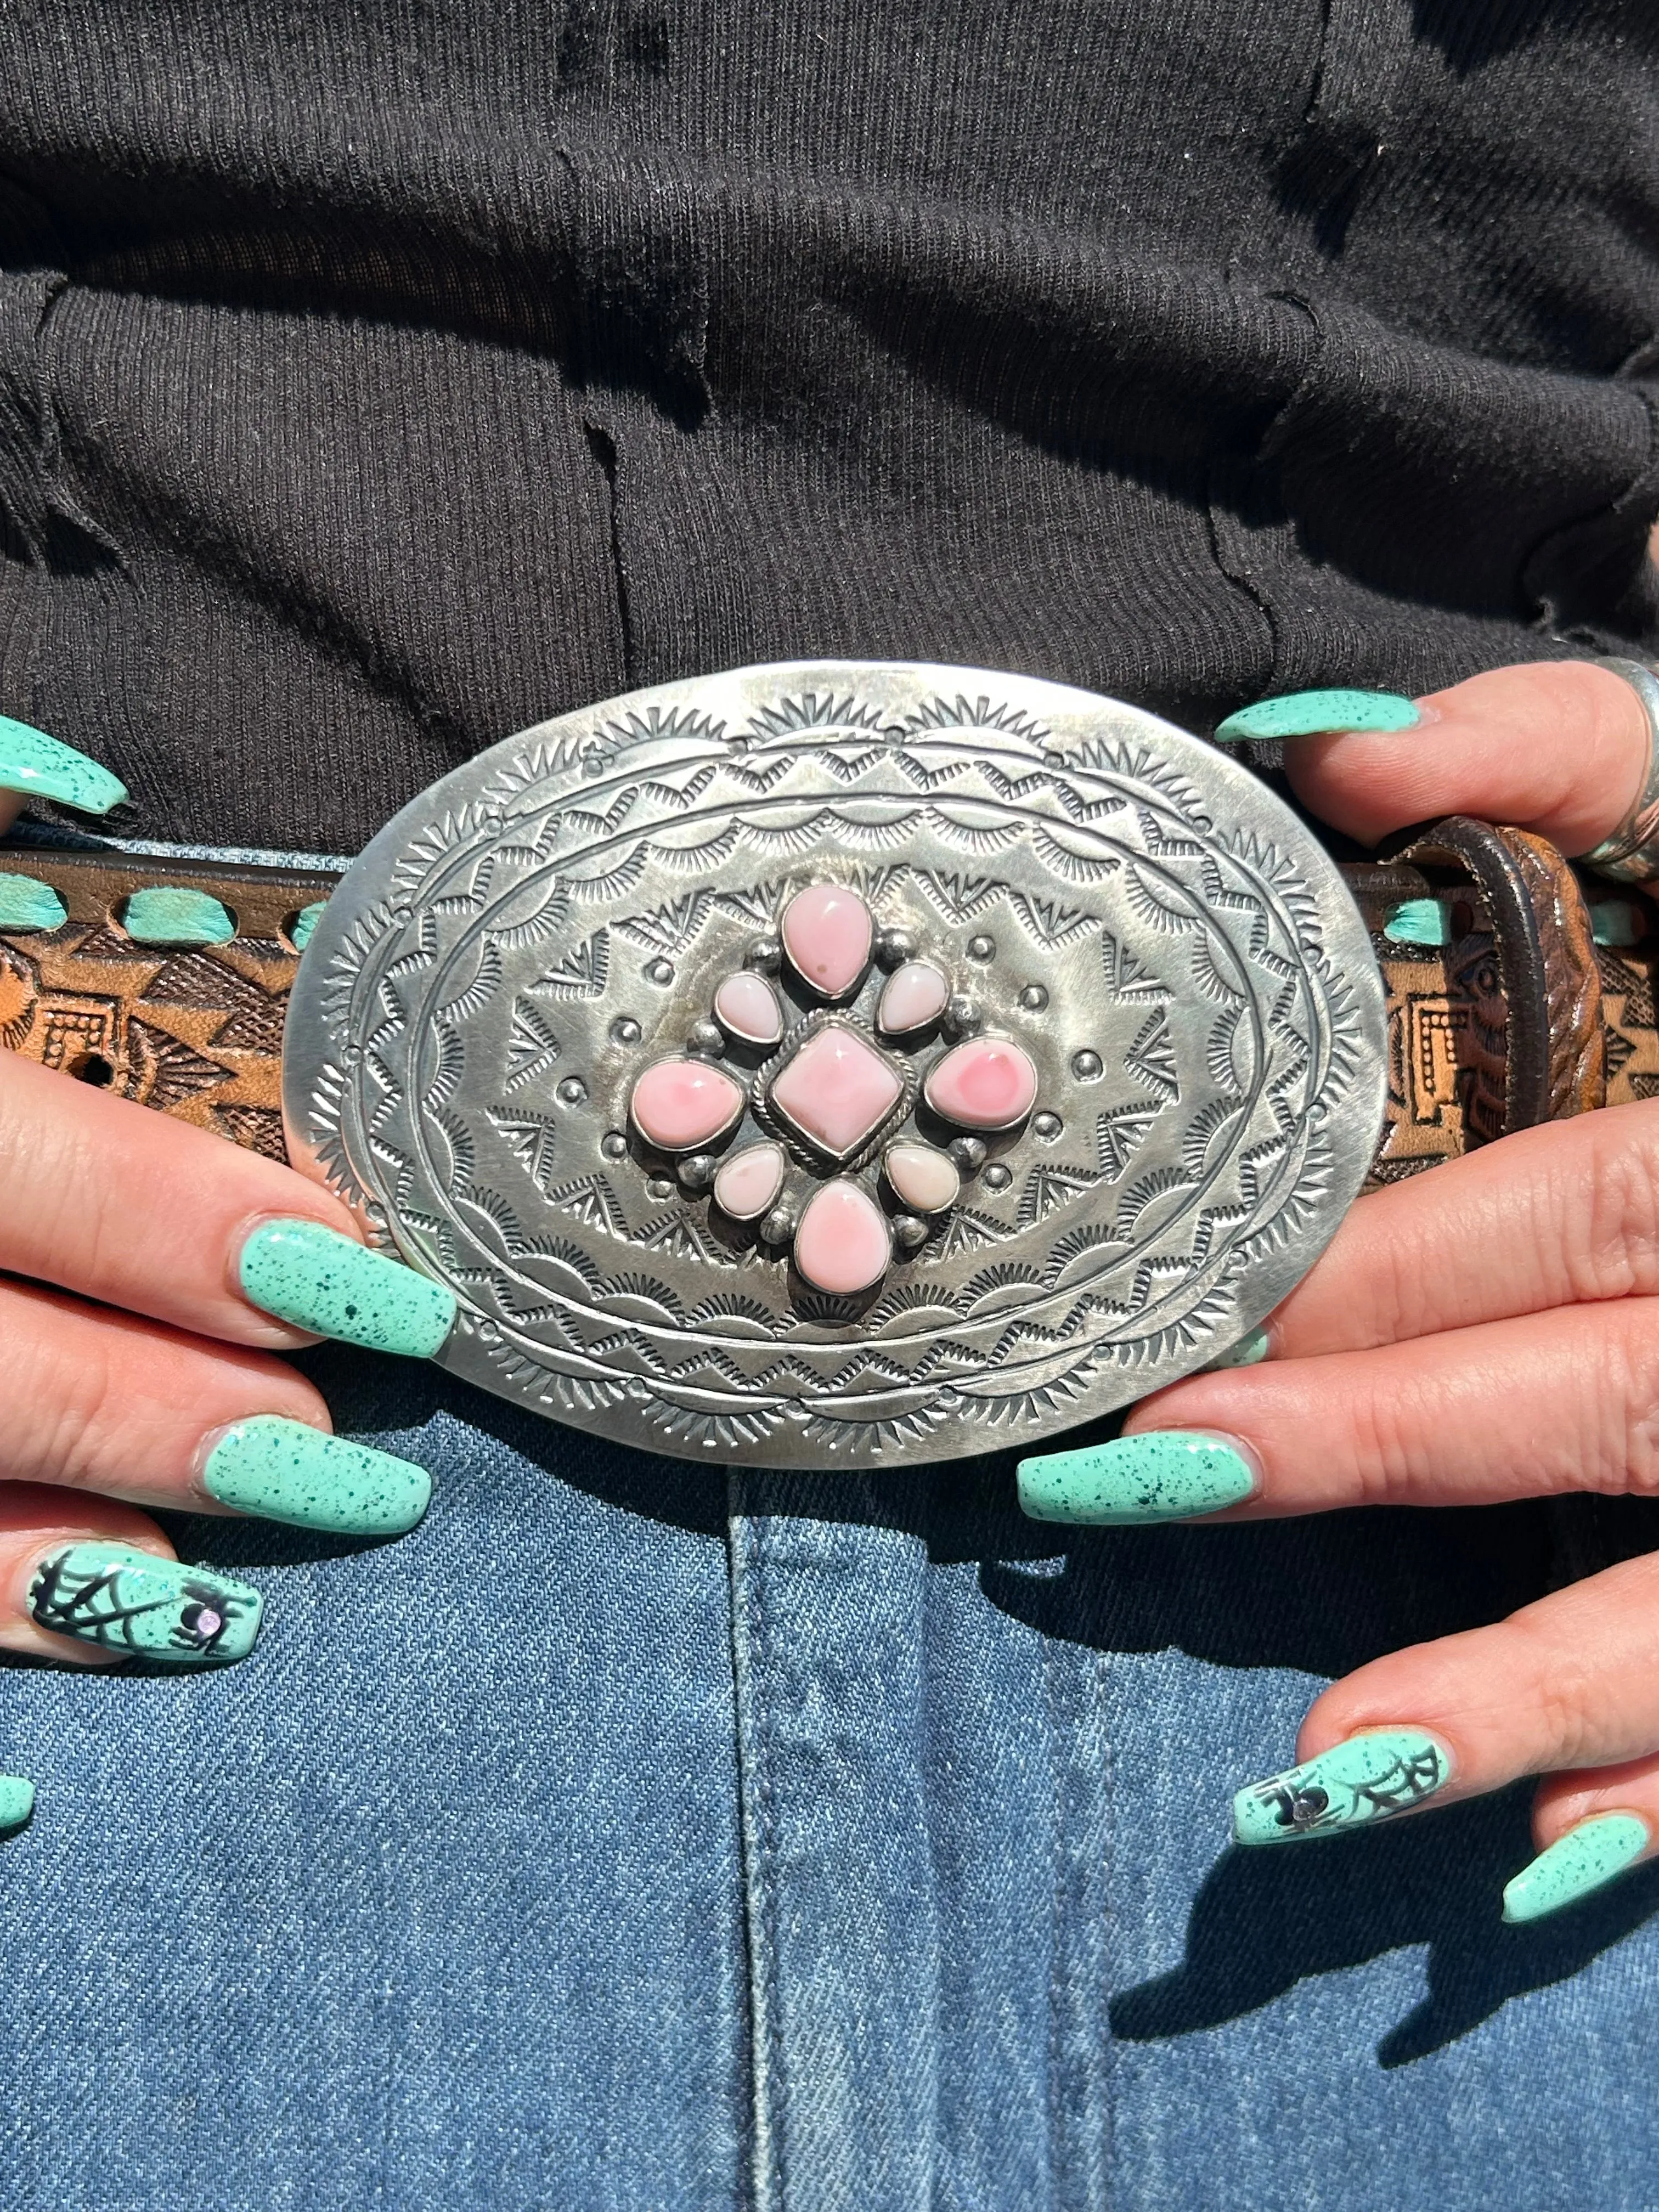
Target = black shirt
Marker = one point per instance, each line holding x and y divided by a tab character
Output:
377	379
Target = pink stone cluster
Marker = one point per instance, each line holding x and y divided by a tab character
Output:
834	1087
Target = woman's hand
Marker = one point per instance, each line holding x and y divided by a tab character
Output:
1486	1331
149	1273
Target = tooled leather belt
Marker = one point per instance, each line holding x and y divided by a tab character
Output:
851	1063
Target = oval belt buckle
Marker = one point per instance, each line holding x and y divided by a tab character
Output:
843	1063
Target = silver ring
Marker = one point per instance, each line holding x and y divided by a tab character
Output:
1630	854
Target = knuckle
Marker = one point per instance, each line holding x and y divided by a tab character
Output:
1565	1720
1386	1468
73	1405
1617	1252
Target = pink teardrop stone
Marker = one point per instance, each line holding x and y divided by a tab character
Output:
827	933
915	996
842	1243
924	1179
747	1007
679	1104
986	1083
747	1186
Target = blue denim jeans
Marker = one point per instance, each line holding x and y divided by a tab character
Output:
631	1836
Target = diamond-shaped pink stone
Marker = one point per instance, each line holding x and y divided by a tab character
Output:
837	1090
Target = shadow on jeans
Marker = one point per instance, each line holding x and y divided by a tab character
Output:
1266	1919
1321	1595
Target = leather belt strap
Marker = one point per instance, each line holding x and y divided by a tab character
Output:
1519	1017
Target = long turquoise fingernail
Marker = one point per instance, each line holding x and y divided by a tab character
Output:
171	913
27	903
1315	713
1167	1476
16	1802
330	1284
1596	1852
283	1470
143	1607
32	761
1368	1777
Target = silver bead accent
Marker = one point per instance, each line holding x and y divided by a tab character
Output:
1048	1126
982	948
961	1017
778	1226
894	947
908	1233
1034	997
659	971
614	1144
968	1153
707	1041
659	1186
997	1177
699	1171
625	1029
572	1091
765	953
1085	1065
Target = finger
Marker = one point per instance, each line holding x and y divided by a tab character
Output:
88	1581
1521	1408
1571	1681
1556	746
103	1401
1551	1217
100	1196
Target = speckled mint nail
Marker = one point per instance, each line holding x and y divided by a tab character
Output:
1597	1852
283	1470
1314	714
32	761
27	903
16	1802
1368	1777
1166	1476
169	913
326	1282
143	1607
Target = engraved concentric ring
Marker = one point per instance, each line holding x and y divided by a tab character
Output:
1173	949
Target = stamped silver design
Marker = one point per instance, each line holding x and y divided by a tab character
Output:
1170	949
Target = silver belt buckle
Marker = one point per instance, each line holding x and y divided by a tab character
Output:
655	1029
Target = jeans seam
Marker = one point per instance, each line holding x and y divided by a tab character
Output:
1080	2108
757	1831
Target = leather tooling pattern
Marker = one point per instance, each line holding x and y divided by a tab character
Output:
194	1032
